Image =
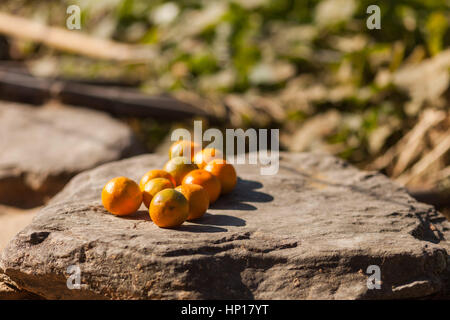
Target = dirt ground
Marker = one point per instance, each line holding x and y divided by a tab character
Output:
12	220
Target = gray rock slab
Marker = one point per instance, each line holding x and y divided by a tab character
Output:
43	147
309	232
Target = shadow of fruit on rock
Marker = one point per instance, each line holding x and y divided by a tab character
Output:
243	194
220	220
206	224
238	199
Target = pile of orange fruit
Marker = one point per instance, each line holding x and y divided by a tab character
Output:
182	191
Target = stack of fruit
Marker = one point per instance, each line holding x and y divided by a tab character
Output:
182	191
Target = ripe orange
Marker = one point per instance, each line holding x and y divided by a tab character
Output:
121	196
153	187
181	148
169	208
207	180
152	174
225	172
205	156
197	197
178	167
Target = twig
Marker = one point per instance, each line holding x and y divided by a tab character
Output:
72	41
428	119
407	151
426	161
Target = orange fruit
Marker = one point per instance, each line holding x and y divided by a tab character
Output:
181	148
205	156
169	208
178	167
225	172
197	197
152	174
153	187
121	196
207	180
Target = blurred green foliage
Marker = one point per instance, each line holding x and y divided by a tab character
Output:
308	56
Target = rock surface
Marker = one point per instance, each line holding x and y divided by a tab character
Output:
309	232
43	147
12	220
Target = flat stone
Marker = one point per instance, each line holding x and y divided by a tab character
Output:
43	147
309	232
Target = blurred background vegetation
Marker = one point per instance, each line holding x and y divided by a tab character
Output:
378	98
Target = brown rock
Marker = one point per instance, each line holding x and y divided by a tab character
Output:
10	291
309	232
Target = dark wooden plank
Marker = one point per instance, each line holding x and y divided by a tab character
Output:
125	102
22	88
120	101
